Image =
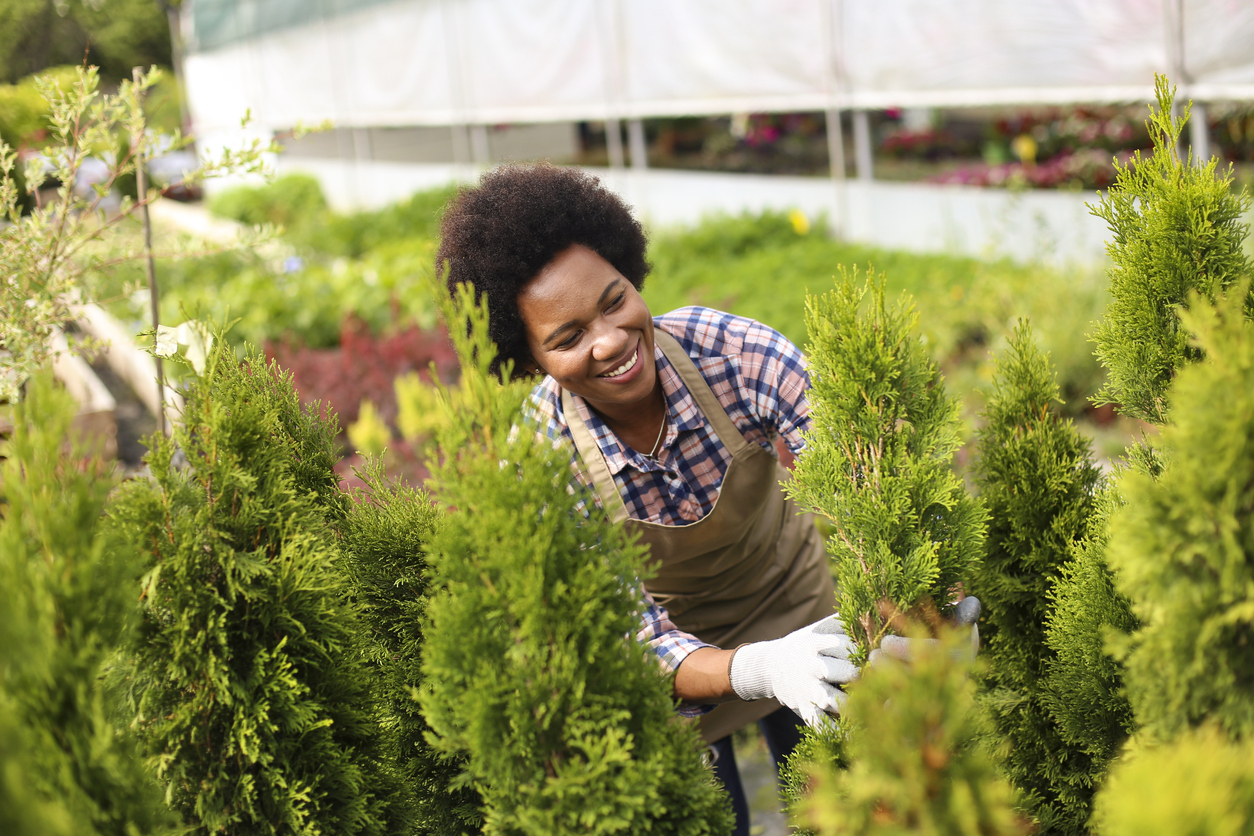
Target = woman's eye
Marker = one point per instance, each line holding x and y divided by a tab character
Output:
618	300
569	341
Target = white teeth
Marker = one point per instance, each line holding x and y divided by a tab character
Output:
625	367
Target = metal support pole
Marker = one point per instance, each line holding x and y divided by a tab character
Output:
1199	135
639	150
461	144
614	143
862	144
835	144
479	150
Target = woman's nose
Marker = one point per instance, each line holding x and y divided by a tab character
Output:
608	342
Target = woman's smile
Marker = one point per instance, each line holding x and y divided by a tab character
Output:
622	370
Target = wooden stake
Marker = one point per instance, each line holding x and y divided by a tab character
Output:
141	182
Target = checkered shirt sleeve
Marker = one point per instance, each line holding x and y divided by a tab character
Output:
670	644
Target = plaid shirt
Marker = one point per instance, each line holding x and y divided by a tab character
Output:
758	377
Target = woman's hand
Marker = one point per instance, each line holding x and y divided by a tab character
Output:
803	670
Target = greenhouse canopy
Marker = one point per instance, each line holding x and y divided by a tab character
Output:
486	62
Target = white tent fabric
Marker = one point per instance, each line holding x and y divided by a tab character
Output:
440	62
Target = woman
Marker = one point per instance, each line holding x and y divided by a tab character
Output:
671	421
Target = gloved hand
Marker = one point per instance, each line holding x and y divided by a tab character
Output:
801	670
967	612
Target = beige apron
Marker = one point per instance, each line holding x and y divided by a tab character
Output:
752	569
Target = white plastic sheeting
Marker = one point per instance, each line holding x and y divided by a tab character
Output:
439	62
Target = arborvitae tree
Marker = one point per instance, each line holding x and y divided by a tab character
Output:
877	460
68	604
1183	545
530	664
821	752
915	762
250	694
1037	479
385	537
1083	687
1201	785
1177	227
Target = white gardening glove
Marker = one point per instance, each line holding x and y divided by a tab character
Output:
966	612
802	670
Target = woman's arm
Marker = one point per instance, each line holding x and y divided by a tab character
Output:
704	677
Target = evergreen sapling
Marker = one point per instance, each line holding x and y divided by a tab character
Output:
530	664
1176	227
1183	545
385	536
1038	481
69	606
250	693
1084	688
876	467
915	763
1200	785
877	460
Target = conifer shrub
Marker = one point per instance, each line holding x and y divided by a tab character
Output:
1183	545
915	764
531	666
248	687
69	603
820	752
1084	684
1037	479
385	536
877	461
1200	785
1177	227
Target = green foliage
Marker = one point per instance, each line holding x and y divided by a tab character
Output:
385	537
307	305
1177	228
249	688
820	752
1084	690
760	266
1183	545
53	257
915	765
24	110
530	664
113	34
876	464
1202	785
293	201
69	604
1038	481
296	203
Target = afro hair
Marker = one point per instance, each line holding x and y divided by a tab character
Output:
500	234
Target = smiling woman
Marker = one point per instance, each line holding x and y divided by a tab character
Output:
671	422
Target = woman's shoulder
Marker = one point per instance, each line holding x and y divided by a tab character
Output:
542	410
708	332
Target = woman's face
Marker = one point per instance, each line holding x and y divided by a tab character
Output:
589	328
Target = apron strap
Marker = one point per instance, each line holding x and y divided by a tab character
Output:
727	433
602	480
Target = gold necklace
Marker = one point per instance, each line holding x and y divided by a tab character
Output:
652	454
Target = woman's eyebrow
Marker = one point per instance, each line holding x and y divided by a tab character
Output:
609	288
